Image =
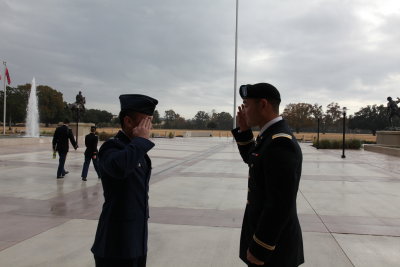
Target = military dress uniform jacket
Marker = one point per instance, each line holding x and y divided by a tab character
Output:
271	229
125	173
91	141
61	137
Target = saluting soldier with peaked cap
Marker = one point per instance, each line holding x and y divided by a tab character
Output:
125	167
271	232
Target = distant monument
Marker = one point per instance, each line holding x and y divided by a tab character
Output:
79	104
392	109
78	108
388	140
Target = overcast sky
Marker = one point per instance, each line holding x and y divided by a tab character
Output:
182	51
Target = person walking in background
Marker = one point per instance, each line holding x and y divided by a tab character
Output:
91	151
60	144
271	233
125	168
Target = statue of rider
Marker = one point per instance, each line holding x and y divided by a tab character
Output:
80	101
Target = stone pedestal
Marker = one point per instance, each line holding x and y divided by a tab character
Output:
83	130
197	134
388	138
387	142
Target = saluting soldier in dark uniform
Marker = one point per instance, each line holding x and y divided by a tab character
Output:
125	168
91	141
271	232
60	144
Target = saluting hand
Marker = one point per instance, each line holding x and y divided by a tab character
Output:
241	120
143	129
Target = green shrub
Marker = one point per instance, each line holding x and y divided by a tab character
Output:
103	136
353	144
47	133
170	135
323	144
337	144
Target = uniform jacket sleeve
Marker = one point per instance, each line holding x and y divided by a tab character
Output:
119	160
281	172
55	139
71	138
245	142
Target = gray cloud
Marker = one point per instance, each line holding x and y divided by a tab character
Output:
182	52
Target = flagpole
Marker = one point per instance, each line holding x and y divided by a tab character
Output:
235	75
4	108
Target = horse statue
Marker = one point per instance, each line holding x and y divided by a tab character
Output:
79	104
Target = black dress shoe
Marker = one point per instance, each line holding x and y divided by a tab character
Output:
66	172
84	179
60	177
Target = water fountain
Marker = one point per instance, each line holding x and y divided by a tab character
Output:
32	113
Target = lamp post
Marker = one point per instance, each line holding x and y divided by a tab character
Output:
77	123
235	72
5	97
344	132
79	108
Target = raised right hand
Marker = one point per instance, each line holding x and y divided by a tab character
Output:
143	129
241	120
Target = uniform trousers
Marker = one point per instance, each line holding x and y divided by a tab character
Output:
86	166
135	262
61	163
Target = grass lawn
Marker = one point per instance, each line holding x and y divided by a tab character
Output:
307	137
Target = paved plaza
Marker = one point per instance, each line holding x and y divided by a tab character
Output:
349	208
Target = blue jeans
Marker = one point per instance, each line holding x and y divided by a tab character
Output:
86	166
61	163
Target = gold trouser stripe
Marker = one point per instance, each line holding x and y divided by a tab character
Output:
264	245
281	135
245	143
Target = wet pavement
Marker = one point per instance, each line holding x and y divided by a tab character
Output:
349	208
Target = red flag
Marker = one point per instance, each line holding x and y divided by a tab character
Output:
8	77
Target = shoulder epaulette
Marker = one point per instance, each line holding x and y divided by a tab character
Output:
245	143
282	135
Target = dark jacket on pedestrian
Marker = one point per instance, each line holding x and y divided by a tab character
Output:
60	139
271	229
125	172
91	141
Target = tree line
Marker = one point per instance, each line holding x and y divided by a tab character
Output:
300	116
53	109
303	117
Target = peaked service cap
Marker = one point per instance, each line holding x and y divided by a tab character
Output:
139	103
